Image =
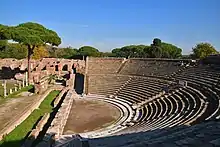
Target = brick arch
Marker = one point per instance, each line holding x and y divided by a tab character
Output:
56	67
65	67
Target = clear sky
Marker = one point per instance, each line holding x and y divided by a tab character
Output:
108	24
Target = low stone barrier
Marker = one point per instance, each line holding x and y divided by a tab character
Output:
43	121
61	117
35	132
58	98
31	137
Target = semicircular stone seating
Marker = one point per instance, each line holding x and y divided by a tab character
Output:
205	80
197	102
159	106
126	115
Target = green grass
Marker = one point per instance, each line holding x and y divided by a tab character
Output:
15	94
9	85
15	138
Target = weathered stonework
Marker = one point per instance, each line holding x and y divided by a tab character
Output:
43	67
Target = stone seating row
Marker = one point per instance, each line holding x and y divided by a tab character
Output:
150	67
185	106
132	94
177	108
175	136
127	114
167	119
180	107
140	90
205	79
195	104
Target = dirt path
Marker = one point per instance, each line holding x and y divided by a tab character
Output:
89	115
12	107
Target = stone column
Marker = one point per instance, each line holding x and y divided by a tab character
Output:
23	83
19	85
59	68
16	88
5	88
31	66
10	91
85	89
26	78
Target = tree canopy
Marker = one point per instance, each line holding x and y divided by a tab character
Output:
170	51
14	50
67	53
157	49
4	35
33	35
30	34
40	52
88	51
203	50
131	51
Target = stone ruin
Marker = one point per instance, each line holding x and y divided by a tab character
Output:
43	67
41	86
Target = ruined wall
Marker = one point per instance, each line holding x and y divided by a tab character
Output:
41	68
40	64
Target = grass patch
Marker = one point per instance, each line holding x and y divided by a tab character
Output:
15	94
10	84
17	136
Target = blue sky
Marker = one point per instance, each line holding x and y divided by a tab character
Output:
107	24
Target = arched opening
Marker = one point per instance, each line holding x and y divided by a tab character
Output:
74	69
56	68
79	83
65	67
8	73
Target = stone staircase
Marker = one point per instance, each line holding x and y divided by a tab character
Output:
122	65
126	83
